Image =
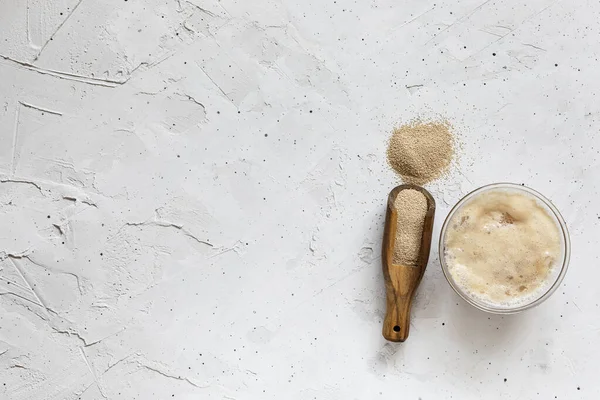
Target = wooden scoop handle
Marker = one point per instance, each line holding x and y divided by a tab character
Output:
400	290
401	281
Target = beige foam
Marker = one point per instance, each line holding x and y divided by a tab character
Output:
501	247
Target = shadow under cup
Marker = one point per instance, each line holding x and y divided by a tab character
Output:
555	276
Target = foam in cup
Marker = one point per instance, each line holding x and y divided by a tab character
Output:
502	248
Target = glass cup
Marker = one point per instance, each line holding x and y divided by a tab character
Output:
553	280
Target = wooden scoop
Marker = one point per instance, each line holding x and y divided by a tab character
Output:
401	281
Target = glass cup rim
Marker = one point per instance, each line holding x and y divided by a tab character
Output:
566	250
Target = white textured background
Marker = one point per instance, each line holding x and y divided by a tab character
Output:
192	195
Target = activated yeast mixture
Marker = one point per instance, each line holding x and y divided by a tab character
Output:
501	246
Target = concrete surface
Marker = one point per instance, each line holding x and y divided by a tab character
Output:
192	195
